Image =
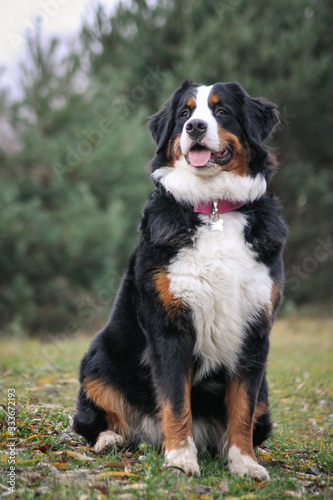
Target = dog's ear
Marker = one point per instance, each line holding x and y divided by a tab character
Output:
162	123
261	118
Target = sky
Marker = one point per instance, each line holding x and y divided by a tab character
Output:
18	17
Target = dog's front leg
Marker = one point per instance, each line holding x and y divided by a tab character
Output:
170	337
172	374
240	411
176	424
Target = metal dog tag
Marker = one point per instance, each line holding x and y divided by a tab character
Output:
215	223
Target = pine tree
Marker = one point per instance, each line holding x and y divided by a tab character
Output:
73	187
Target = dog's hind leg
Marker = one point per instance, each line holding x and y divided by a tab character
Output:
95	418
89	419
262	420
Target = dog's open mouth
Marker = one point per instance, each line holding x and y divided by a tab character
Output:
200	156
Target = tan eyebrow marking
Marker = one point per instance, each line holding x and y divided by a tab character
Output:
191	102
213	99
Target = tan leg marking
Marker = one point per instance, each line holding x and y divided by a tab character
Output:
261	409
241	459
240	423
180	450
177	428
111	401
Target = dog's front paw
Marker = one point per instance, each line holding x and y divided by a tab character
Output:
184	458
108	438
240	464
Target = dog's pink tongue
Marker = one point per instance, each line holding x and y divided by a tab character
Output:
199	157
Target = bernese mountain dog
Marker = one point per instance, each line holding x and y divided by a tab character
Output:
182	361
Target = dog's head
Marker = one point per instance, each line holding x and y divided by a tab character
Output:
214	134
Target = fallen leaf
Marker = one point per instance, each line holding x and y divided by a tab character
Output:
302	475
33	428
19	423
305	483
34	436
295	452
103	475
60	465
127	465
76	455
65	436
20	461
79	456
49	405
293	494
264	456
135	486
54	470
111	464
43	448
76	474
315	469
249	496
203	490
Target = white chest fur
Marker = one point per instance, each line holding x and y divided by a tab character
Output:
224	286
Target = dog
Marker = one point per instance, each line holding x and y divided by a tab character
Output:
182	361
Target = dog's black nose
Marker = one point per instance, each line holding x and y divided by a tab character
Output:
196	128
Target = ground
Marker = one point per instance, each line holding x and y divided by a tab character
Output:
41	457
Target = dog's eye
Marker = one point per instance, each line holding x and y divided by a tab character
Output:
221	112
186	113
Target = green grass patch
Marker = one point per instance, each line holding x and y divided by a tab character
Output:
51	461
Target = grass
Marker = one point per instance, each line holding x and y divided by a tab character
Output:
53	462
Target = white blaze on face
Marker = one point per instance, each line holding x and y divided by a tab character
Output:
194	185
202	112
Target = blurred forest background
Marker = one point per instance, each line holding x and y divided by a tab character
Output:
73	178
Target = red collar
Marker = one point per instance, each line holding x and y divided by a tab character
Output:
223	206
